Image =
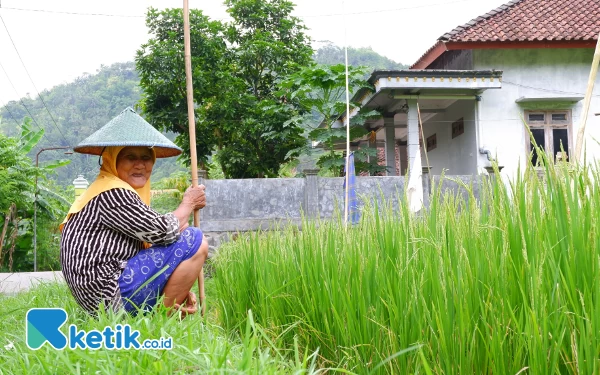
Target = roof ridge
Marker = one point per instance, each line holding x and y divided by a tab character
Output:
478	19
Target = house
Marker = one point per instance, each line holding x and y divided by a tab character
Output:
527	60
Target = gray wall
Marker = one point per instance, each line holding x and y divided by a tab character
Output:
259	204
250	204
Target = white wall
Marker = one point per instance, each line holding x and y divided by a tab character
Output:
531	73
459	155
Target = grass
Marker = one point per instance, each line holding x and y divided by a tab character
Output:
505	285
200	346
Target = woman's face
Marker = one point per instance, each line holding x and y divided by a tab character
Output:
134	165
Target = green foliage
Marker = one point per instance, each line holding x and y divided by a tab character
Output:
236	67
179	181
321	89
166	202
17	189
170	192
48	246
491	286
215	172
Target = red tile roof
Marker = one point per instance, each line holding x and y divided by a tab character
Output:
543	22
532	20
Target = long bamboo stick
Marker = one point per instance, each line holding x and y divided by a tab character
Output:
586	103
192	129
422	135
347	177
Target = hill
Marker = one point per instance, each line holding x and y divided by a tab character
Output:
78	109
330	54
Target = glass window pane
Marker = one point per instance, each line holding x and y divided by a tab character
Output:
540	140
561	142
559	117
537	117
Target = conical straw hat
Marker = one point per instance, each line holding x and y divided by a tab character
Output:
128	129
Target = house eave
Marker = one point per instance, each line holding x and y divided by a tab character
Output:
443	77
442	46
423	83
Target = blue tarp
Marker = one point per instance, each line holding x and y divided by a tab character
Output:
353	212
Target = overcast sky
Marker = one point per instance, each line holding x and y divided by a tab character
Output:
57	47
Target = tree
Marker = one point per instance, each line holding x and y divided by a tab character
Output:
321	90
17	191
236	69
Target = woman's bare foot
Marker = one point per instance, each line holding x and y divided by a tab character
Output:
189	307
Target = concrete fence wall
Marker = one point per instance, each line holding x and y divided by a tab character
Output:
254	204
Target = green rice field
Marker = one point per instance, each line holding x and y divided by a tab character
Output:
508	284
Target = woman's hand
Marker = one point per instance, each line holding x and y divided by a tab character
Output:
195	197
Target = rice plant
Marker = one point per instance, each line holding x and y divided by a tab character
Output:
508	283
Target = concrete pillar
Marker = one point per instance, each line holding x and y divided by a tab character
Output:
413	132
373	145
426	180
390	144
311	193
403	159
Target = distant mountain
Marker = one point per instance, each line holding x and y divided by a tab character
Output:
330	54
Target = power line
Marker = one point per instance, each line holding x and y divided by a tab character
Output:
221	19
383	10
39	95
74	13
23	104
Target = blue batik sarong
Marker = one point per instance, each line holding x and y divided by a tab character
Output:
146	274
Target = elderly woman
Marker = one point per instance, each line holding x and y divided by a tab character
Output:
116	251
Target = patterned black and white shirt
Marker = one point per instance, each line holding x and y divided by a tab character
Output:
98	240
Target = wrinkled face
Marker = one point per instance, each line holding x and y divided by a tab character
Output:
134	165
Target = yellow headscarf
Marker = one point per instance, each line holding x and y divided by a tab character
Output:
108	179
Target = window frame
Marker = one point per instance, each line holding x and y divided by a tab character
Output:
459	126
549	125
431	142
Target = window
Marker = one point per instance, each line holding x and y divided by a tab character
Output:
458	127
551	131
431	142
